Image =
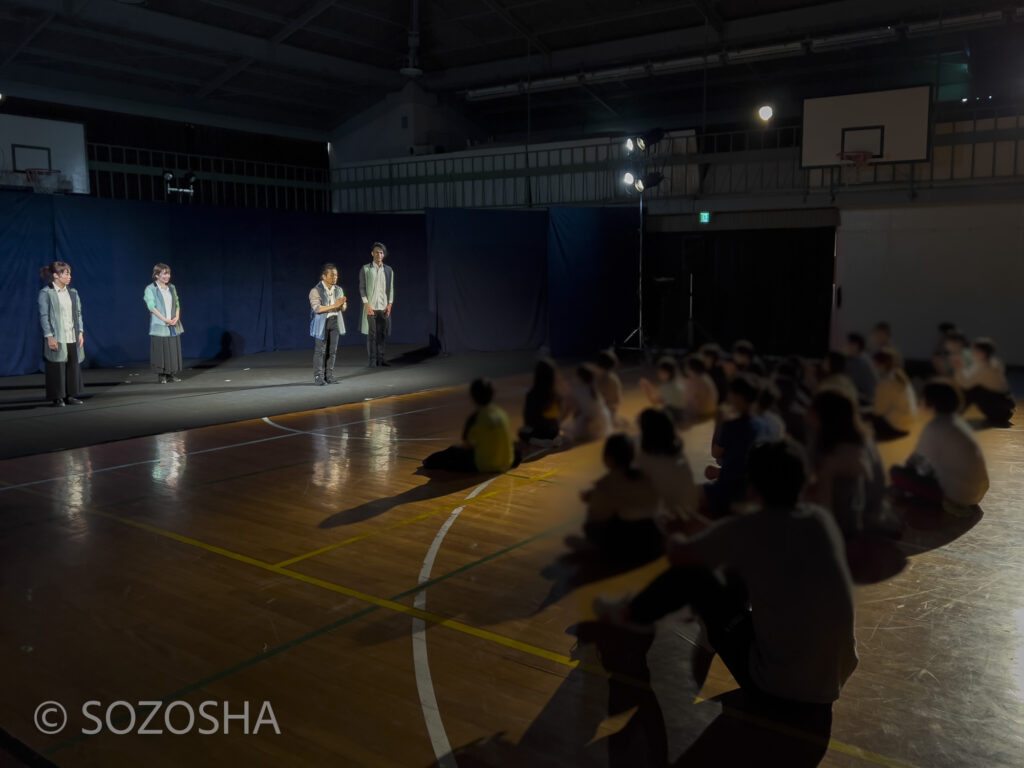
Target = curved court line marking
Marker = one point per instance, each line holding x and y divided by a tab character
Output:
206	450
458	626
421	664
319	433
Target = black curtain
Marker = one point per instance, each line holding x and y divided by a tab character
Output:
771	286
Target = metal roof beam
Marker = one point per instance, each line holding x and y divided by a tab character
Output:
27	38
518	26
133	19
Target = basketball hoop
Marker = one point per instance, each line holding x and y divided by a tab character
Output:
43	179
858	159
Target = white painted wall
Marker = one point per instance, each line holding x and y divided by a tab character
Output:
917	266
66	142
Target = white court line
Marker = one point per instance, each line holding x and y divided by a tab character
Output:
292	433
320	433
421	665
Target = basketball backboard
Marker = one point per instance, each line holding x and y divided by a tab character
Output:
891	125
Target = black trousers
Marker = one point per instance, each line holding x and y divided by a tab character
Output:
376	334
325	352
722	607
997	407
64	380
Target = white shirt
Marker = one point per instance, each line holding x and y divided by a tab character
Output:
673	480
379	299
165	294
701	396
332	295
989	375
66	333
948	447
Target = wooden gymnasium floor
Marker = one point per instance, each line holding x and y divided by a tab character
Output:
389	619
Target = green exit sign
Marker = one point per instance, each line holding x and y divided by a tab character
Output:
705	217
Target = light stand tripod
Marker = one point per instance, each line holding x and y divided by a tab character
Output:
639	330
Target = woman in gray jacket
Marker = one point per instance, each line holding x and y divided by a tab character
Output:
60	317
165	329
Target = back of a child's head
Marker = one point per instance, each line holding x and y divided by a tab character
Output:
658	434
946	327
884	358
767	396
607	360
777	472
711	351
838	418
883	327
836	362
618	451
941	396
482	391
856	341
743	348
744	386
544	374
985	346
956	337
695	365
669	366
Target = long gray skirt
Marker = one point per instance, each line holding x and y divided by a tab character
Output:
165	354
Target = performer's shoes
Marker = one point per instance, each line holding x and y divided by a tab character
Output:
162	378
73	401
57	404
318	380
383	364
171	377
331	380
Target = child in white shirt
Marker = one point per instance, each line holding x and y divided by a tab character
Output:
947	465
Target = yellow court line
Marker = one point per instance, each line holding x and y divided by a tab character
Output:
380	602
399	524
458	626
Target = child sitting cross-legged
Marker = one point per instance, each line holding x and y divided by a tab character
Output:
621	508
947	466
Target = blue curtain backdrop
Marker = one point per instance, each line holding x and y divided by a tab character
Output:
472	280
488	278
593	262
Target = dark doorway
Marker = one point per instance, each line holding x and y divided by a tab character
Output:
771	286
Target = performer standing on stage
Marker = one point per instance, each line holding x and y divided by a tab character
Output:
60	316
165	327
326	325
377	290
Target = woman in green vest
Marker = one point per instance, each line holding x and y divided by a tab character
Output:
165	329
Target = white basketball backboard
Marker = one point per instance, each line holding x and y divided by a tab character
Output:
891	125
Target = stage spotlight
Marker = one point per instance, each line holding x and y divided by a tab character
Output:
168	176
765	112
190	179
628	178
649	181
644	141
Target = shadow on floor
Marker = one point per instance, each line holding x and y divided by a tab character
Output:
439	483
573	569
607	713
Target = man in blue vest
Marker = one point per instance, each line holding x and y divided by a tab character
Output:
326	301
377	290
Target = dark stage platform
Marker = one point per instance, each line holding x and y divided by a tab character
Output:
127	402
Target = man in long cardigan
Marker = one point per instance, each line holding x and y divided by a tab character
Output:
377	290
60	317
